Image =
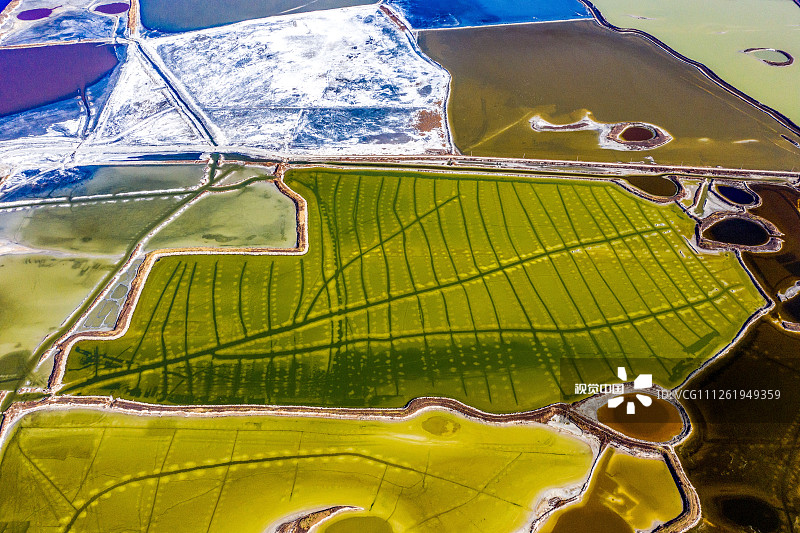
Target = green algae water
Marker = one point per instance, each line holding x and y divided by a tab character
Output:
420	284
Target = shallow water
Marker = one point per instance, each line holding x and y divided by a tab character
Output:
626	494
360	524
715	32
743	455
777	271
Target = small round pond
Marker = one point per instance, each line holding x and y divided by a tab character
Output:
771	56
736	230
637	133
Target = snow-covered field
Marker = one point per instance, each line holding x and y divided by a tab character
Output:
347	81
70	20
339	81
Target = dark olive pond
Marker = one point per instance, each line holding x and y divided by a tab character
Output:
739	231
654	185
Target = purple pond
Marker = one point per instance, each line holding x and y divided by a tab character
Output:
32	77
35	14
115	8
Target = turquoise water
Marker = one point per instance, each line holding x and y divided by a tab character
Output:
428	14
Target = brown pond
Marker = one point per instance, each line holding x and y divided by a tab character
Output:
777	271
637	133
625	494
494	94
659	422
743	456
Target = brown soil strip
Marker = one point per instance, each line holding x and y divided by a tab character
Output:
555	165
428	120
305	523
394	18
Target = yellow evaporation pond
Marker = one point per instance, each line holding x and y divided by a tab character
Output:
356	523
435	472
626	494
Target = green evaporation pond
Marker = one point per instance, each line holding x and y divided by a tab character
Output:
415	284
770	55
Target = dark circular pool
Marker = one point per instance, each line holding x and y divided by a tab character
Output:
738	231
736	195
637	133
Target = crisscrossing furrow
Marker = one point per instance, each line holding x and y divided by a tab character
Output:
417	284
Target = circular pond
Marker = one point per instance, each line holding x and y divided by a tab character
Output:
771	56
637	136
737	195
736	230
659	422
637	133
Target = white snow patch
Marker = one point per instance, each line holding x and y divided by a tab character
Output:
339	81
140	112
71	20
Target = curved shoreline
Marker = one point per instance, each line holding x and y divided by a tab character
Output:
775	114
556	416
